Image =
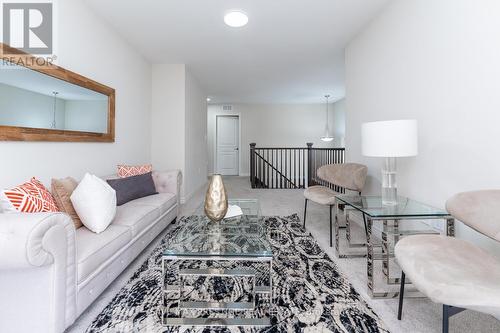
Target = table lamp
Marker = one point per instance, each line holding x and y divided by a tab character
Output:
389	139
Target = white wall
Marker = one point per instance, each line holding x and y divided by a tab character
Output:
278	125
168	121
87	46
337	122
179	125
196	135
437	62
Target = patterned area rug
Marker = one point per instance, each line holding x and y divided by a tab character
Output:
310	295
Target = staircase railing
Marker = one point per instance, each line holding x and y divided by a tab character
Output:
291	168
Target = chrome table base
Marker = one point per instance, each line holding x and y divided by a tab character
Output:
217	307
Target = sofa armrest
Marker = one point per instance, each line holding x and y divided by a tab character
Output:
37	272
169	182
30	239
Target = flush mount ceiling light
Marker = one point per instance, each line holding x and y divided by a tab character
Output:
208	99
235	18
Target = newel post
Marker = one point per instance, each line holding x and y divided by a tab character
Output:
252	164
309	164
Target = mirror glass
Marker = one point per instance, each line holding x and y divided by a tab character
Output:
35	100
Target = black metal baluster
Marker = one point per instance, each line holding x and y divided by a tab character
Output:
303	168
285	182
289	174
261	166
294	168
272	168
261	178
281	168
267	167
300	180
275	162
257	163
300	168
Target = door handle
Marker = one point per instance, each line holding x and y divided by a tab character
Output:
236	148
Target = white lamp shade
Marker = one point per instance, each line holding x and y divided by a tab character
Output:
393	138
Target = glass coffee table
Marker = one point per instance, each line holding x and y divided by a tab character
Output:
233	252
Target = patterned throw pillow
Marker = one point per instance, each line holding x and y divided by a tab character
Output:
125	171
30	197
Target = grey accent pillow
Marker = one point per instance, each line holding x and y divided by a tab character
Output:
131	188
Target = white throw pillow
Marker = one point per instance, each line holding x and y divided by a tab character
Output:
94	202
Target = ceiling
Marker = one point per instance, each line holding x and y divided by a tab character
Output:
291	51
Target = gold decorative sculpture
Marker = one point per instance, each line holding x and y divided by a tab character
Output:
216	199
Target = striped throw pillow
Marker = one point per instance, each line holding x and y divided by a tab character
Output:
125	171
30	197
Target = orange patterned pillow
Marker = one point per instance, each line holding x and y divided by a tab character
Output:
31	197
125	171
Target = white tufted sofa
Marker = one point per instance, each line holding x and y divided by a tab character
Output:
50	272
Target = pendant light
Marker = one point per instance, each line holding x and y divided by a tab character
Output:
54	124
327	137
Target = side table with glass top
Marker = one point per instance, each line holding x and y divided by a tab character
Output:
238	241
392	217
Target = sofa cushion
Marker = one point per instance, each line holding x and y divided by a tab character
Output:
163	200
320	194
94	249
139	214
136	217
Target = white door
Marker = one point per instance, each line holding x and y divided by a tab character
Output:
228	145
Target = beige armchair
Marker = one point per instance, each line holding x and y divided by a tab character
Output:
452	271
350	176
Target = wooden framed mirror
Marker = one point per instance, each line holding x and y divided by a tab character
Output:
40	101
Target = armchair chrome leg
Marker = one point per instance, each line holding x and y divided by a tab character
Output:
401	295
305	211
331	242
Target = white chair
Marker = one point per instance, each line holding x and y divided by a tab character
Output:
452	271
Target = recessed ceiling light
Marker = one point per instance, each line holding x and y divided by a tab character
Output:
208	99
235	18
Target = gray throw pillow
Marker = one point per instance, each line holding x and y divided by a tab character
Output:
131	188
